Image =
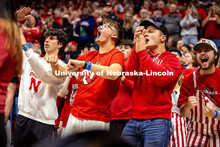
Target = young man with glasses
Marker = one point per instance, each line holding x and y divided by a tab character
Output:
199	98
91	107
150	123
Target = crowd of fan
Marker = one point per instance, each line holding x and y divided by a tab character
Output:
187	21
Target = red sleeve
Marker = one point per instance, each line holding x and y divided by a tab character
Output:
129	84
60	104
186	90
3	50
118	57
132	64
170	64
84	56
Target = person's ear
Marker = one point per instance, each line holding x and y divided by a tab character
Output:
114	36
216	56
163	38
60	45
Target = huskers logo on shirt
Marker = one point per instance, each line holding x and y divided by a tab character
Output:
35	82
86	78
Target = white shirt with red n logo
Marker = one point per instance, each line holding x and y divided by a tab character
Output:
38	89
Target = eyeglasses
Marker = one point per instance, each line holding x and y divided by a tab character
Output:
105	26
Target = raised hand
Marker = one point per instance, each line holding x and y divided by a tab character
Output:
139	39
22	13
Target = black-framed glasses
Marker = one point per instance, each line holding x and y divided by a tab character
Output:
105	26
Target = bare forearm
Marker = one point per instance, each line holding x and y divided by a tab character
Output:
218	117
58	69
217	19
9	99
205	21
63	90
106	72
184	111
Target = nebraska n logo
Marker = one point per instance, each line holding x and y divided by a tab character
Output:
35	83
87	78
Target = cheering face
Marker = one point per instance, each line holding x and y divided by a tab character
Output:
104	33
152	36
205	57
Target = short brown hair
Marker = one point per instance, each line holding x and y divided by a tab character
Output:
118	27
61	37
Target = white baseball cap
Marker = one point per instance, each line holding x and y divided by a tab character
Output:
205	42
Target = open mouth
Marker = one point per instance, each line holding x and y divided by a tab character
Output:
147	40
204	60
98	34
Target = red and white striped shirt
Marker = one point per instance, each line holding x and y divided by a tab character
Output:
207	89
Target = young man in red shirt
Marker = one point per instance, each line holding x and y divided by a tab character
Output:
199	98
150	123
91	107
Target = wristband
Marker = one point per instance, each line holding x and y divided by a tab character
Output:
5	123
216	114
86	64
89	66
25	47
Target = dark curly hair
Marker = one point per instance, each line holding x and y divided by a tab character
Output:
118	27
127	42
61	37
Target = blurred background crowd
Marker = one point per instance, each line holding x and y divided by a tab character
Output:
187	21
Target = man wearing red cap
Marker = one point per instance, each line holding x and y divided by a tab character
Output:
199	98
150	123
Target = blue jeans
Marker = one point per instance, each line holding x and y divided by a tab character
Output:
148	132
14	109
189	39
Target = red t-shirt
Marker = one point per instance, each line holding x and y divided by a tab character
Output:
212	29
7	69
95	93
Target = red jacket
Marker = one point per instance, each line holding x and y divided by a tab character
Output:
151	97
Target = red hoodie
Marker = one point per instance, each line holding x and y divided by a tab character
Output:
151	97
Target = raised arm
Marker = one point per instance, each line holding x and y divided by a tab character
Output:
22	13
40	67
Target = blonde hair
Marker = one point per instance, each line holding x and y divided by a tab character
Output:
130	22
194	12
12	42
